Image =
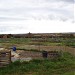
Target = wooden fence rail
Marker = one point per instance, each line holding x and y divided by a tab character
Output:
54	54
5	58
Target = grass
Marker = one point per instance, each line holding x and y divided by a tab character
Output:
69	73
64	65
9	42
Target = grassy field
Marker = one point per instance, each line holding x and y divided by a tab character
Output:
64	65
29	41
64	44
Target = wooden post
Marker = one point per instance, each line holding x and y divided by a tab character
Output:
9	56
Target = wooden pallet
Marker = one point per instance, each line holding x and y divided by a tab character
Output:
5	58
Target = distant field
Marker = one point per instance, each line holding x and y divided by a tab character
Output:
33	41
60	44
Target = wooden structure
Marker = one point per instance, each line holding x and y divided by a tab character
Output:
53	54
5	58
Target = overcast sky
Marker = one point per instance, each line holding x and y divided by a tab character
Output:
36	16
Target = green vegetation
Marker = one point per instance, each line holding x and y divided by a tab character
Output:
9	42
14	40
65	65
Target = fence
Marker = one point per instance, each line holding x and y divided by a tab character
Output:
50	48
54	54
40	54
5	57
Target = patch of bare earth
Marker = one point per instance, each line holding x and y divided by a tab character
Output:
51	48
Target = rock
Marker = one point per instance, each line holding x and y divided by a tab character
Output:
25	59
2	48
13	53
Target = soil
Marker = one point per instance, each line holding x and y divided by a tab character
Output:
51	48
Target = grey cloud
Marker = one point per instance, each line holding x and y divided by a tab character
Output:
15	12
10	18
69	1
9	28
5	28
41	12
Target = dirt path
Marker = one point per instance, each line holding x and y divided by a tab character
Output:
31	54
50	48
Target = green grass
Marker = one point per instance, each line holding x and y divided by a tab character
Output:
64	65
69	73
15	40
28	41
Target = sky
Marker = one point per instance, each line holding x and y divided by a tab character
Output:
37	16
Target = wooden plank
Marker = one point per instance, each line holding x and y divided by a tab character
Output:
5	57
5	60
